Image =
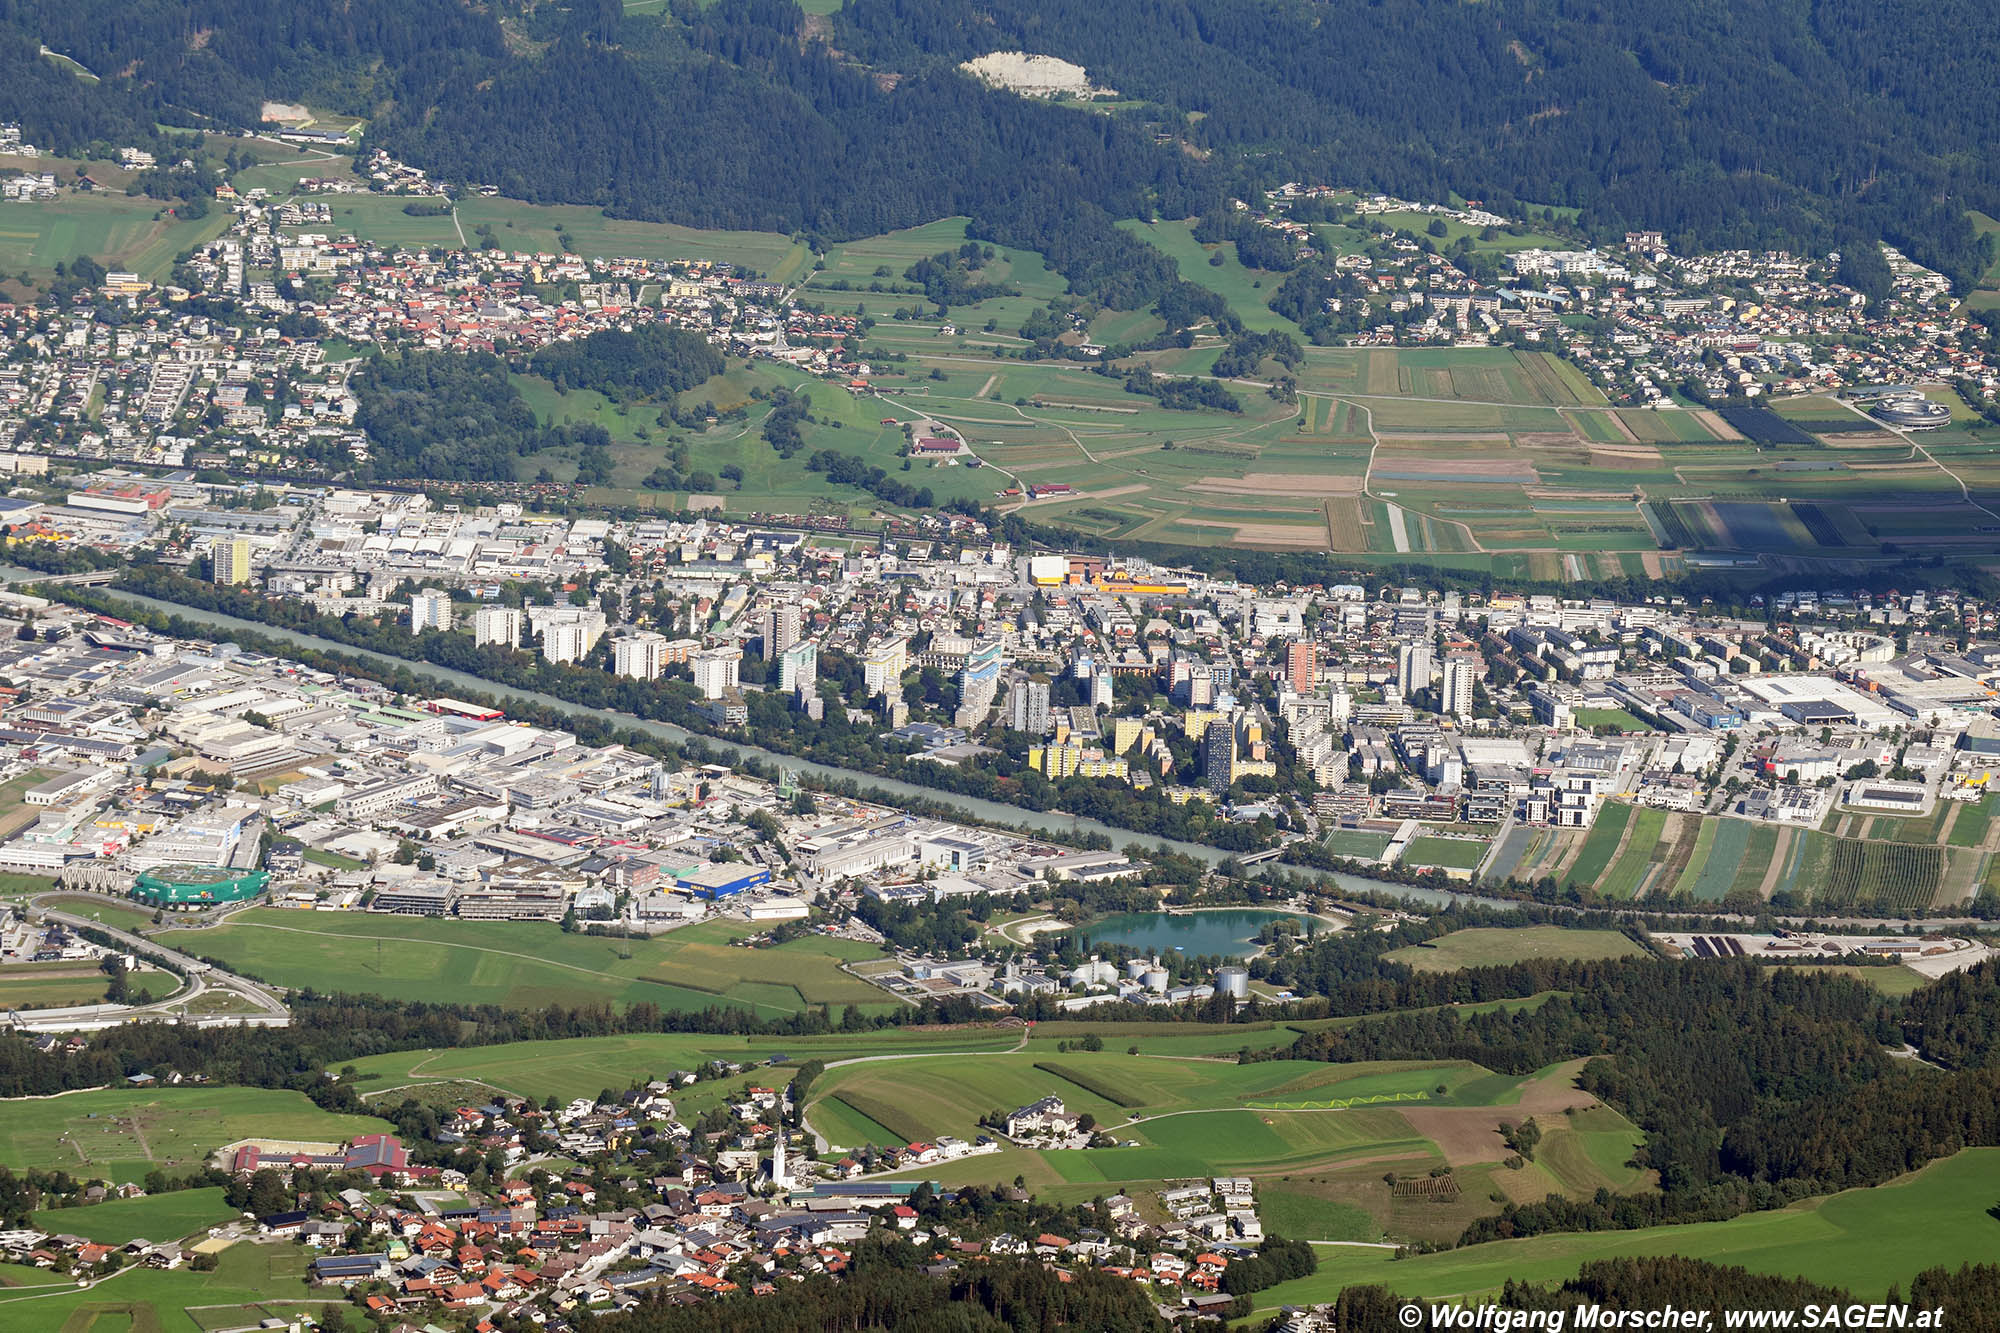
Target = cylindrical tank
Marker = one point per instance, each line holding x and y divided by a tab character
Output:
1156	979
1136	967
1234	981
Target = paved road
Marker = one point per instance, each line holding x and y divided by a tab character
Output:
268	1005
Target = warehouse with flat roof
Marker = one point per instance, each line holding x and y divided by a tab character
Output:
721	880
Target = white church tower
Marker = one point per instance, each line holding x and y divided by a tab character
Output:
780	1177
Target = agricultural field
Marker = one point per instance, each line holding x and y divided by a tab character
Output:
534	964
119	232
1477	459
1606	837
540	229
250	1285
584	1066
157	1217
1864	1240
1495	948
1320	1134
1247	290
120	1135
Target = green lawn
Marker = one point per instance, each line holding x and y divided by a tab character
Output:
158	1217
1617	719
1862	1240
531	964
1451	853
1484	947
120	1135
263	1280
582	1066
111	911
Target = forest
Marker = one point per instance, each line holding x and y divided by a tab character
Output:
1761	123
449	417
652	361
1755	1087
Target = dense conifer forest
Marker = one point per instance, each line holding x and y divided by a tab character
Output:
1762	123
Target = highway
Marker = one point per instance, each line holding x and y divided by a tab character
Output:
260	1005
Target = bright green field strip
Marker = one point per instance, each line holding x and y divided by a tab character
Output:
158	1217
1357	844
582	1066
842	1125
1759	846
120	1135
1730	842
1861	1240
111	911
1970	828
529	964
1704	845
1625	876
1498	946
1601	844
1451	853
1205	1143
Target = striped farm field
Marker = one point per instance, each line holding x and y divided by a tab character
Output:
1969	829
1629	872
1764	846
1731	848
1602	844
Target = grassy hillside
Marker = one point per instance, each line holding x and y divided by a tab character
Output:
1862	1240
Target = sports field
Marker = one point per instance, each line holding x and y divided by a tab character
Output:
1495	948
1451	853
1864	1241
120	1135
531	964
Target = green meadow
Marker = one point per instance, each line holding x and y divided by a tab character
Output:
119	1135
1864	1241
532	964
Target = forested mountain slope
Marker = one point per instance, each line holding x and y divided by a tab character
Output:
1805	123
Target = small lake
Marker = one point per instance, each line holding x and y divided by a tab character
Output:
1231	932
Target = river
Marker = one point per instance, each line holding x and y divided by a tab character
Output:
991	811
